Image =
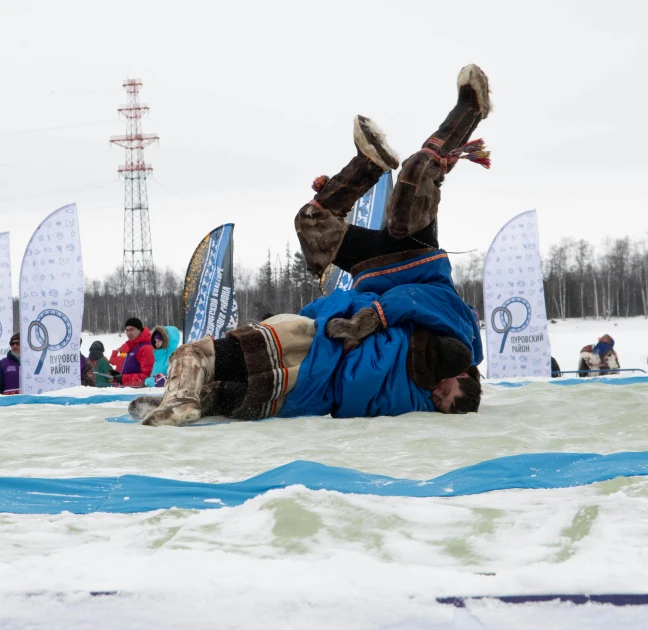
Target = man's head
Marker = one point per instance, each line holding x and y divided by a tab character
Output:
14	344
459	394
133	327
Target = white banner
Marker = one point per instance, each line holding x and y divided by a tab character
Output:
51	305
6	295
517	339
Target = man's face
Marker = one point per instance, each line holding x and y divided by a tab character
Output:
132	332
444	394
15	347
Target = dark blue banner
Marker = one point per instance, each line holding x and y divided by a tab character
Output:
369	212
210	306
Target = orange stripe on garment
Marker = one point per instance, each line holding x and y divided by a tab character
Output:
373	274
276	340
381	314
284	370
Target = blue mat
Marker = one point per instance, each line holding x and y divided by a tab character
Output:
134	493
607	380
25	399
128	419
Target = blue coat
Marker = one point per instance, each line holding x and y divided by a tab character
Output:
162	355
371	380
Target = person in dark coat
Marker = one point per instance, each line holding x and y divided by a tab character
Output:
87	373
400	340
10	368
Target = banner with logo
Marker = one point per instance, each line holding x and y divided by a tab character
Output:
51	305
210	306
6	295
517	339
369	212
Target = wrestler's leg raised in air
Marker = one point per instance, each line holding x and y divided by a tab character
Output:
325	236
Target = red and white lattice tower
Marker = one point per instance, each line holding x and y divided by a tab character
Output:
138	252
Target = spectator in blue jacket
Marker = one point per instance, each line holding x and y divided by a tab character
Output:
165	340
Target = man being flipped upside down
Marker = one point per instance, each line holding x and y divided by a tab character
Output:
400	340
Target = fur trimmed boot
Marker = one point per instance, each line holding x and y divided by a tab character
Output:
320	224
190	367
414	203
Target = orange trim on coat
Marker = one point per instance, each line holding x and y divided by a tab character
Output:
381	314
401	268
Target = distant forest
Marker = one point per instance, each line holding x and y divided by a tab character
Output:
580	279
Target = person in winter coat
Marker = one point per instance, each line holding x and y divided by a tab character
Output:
139	360
10	368
118	357
100	365
600	356
87	373
165	340
400	340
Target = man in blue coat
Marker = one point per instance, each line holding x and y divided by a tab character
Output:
401	340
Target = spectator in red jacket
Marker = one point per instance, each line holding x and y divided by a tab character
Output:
139	360
118	357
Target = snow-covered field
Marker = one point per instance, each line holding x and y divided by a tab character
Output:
303	559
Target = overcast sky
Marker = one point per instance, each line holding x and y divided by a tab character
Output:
252	100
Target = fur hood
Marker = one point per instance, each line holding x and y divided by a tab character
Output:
163	333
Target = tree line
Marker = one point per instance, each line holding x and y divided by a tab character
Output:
280	285
580	280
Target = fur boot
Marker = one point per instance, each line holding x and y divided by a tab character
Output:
142	406
190	367
320	224
414	203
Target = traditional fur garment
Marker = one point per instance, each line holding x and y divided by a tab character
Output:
600	357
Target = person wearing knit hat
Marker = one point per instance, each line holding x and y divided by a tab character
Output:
10	368
133	322
139	360
100	365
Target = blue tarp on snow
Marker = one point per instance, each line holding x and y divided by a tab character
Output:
134	493
26	399
606	380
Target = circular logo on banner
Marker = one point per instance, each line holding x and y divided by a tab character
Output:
514	316
51	330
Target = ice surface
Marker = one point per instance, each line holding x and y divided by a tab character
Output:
298	558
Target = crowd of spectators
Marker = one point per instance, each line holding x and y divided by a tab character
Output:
141	361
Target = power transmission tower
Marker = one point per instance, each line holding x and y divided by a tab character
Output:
138	252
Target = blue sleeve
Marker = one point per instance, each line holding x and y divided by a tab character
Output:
435	307
312	310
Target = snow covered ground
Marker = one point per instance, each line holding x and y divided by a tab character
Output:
306	559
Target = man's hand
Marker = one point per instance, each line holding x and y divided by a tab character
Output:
117	378
364	323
